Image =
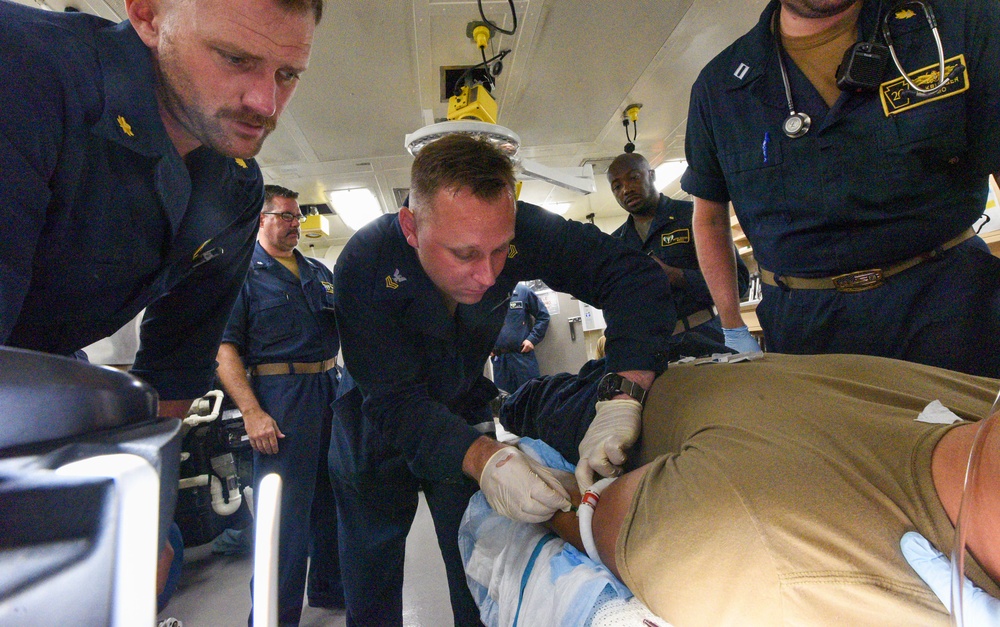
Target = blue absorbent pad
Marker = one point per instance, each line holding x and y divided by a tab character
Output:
517	570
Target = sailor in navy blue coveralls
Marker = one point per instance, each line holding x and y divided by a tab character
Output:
419	398
283	332
105	216
527	321
668	237
861	227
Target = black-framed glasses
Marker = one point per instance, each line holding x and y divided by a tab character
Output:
286	216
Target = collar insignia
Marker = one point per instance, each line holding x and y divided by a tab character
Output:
241	163
125	126
512	252
390	283
397	276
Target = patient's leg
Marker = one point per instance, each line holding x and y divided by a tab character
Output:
608	517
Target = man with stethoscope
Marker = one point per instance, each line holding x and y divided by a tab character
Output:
855	140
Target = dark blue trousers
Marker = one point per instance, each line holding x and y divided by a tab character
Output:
301	406
375	511
511	370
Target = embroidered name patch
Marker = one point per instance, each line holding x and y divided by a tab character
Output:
680	236
896	94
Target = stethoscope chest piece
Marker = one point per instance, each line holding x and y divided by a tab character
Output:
796	125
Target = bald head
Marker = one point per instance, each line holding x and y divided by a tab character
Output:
631	181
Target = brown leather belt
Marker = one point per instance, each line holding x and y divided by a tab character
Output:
698	317
861	280
314	367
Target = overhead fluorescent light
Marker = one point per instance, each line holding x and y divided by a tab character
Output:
668	172
557	207
356	207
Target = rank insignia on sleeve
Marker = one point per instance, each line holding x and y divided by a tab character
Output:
125	126
680	236
897	96
512	252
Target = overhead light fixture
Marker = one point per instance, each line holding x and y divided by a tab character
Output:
356	207
668	172
558	208
504	139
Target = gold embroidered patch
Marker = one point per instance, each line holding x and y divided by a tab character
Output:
904	14
512	252
390	283
125	126
895	93
240	162
680	236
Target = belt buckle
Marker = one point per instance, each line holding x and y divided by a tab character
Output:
859	281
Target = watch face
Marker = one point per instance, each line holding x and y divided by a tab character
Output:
609	386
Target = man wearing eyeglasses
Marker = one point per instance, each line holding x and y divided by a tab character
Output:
278	363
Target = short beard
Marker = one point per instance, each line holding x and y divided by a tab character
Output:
815	9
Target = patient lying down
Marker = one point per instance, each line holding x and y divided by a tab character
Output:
776	491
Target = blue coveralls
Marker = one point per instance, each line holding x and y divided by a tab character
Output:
671	239
879	178
527	319
101	215
281	318
408	420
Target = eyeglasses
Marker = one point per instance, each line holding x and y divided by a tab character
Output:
286	216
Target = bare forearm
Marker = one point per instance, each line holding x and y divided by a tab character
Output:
233	376
478	455
714	243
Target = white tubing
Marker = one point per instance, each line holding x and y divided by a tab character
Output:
201	404
219	505
586	514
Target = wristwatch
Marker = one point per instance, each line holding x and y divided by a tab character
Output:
613	384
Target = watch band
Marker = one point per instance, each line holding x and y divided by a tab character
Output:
613	383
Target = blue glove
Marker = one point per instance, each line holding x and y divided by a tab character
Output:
934	568
740	340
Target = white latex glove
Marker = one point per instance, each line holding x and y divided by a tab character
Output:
935	569
740	340
614	430
520	488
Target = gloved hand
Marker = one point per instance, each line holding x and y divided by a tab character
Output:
740	340
979	608
615	428
520	488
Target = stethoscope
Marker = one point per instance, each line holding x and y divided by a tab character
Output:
797	123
